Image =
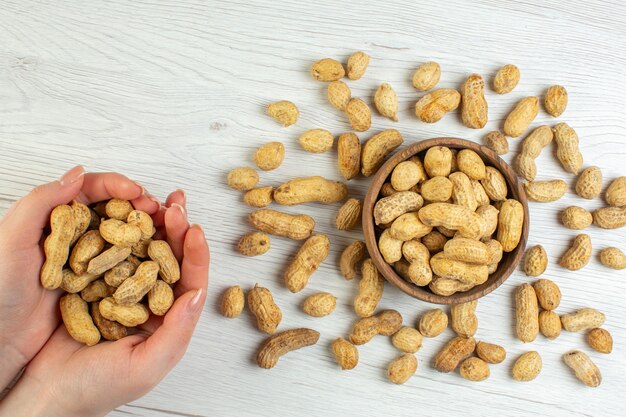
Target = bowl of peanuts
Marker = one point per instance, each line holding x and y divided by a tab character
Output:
446	220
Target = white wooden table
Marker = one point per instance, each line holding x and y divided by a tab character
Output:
172	93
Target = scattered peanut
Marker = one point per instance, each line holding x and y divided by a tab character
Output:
555	100
585	370
433	106
386	101
521	117
350	257
496	141
426	76
262	306
506	79
269	156
531	148
349	155
338	94
316	140
402	368
490	353
464	320
579	254
327	69
371	289
309	257
613	258
385	323
526	313
455	351
474	369
253	244
527	367
545	191
616	192
567	148
589	183
281	343
320	304
233	302
583	319
284	112
349	215
407	340
576	218
357	65
242	179
433	323
259	197
359	114
600	340
536	261
474	105
610	217
309	190
346	354
550	324
377	148
548	294
293	226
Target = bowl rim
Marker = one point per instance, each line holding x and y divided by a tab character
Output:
515	189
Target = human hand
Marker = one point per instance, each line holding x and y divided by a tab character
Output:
29	313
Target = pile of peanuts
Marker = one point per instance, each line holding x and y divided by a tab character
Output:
436	218
112	270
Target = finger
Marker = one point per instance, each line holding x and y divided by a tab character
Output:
177	197
107	185
29	216
176	226
158	218
161	351
153	323
146	203
195	265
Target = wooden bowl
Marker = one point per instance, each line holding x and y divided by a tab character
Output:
509	260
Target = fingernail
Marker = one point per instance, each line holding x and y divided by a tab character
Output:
199	226
73	175
180	190
194	304
181	208
143	190
154	200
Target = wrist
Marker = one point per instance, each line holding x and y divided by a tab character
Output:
12	361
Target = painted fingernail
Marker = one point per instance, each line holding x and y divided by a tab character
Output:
194	304
181	208
72	176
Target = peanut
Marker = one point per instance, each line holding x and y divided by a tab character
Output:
110	330
426	76
242	179
385	323
579	254
320	304
390	208
474	369
489	217
455	351
88	247
461	271
405	175
408	226
309	190
536	261
494	184
96	291
346	354
549	324
616	192
494	248
490	353
464	320
57	246
448	286
73	283
567	148
576	218
433	106
390	248
506	79
555	100
259	197
118	209
452	216
433	323
463	191
161	253
583	319
253	244
357	64
613	258
269	156
127	315
437	189
349	155
119	273
600	340
359	114
140	249
584	369
262	306
233	301
350	257
434	241
377	148
467	250
521	116
338	94
527	367
589	183
281	343
160	298
526	313
548	294
349	215
471	164
316	140
531	148
107	260
386	101
610	217
407	340
438	161
474	106
293	226
327	69
78	322
284	112
371	289
133	289
418	256
402	368
309	257
120	233
510	223
82	219
496	141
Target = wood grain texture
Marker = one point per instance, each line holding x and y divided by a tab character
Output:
172	93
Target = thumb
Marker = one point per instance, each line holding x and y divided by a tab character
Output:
29	215
169	342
